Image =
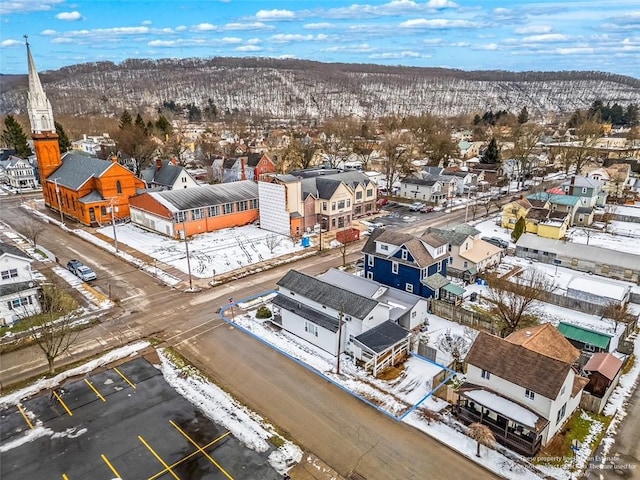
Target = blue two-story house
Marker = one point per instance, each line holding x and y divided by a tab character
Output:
415	264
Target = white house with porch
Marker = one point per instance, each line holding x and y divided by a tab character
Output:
526	400
336	320
19	293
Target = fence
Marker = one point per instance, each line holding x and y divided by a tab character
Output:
462	316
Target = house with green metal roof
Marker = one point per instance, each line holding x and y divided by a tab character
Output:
577	207
585	339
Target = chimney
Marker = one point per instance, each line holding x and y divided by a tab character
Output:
114	158
158	164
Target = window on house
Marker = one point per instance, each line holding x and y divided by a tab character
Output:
227	208
118	186
103	211
561	413
197	214
8	274
253	204
341	204
404	254
348	202
370	260
180	217
439	264
394	267
589	348
184	179
213	211
333	222
529	394
545	254
562	391
466	264
243	205
19	302
384	247
311	328
584	190
370	275
324	206
486	374
369	192
333	206
358	195
450	260
409	287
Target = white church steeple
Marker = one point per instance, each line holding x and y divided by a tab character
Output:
38	106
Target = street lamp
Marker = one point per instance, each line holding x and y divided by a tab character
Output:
55	180
183	234
112	209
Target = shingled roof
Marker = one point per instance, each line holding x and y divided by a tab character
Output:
517	364
547	340
324	293
11	250
165	176
77	169
414	245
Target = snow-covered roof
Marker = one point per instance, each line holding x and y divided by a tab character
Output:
598	287
504	407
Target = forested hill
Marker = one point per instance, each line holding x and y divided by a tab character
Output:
299	89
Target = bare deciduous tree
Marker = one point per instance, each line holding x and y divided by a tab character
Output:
524	137
53	329
272	242
31	230
398	154
515	303
482	435
617	313
457	345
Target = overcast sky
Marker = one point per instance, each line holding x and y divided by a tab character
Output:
512	35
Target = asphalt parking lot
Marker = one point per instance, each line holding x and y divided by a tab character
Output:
124	422
399	214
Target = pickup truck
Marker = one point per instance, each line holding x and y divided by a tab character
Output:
81	271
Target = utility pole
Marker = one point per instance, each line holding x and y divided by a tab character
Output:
340	314
55	180
186	245
112	208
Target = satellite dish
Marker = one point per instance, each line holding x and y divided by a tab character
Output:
31	284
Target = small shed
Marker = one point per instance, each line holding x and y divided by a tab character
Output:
600	292
348	235
585	339
602	369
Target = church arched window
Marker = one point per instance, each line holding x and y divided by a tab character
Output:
119	186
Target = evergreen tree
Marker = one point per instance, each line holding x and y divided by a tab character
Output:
125	120
518	229
523	116
492	152
14	137
163	125
63	140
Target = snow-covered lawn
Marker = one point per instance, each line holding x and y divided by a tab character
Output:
622	237
210	253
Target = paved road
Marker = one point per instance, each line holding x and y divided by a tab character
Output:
322	418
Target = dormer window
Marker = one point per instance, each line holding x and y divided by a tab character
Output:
404	254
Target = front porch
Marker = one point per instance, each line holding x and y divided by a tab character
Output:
382	347
523	435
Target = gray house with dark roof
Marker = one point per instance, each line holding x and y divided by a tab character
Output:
330	317
166	175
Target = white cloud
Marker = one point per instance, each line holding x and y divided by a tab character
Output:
69	16
204	27
488	46
48	32
533	29
315	26
61	40
25	6
573	50
254	41
432	41
438	23
248	48
275	14
362	48
10	43
147	22
162	43
247	26
394	55
180	28
231	40
291	37
547	37
438	4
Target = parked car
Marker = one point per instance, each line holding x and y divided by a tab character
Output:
498	242
81	271
415	207
426	209
382	202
